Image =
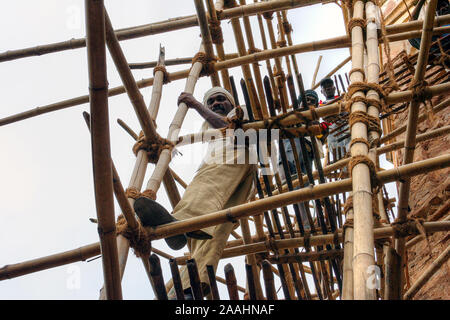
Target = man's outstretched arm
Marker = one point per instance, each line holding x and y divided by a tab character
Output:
216	120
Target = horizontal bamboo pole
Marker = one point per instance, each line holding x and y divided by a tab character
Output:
252	58
159	27
396	132
427	274
305	194
84	99
85	252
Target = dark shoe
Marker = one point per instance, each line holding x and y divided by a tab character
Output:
153	214
199	235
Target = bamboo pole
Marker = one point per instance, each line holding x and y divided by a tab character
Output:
206	37
159	27
85	252
176	279
256	57
174	128
128	129
194	280
255	66
392	274
315	192
271	293
212	282
219	45
422	117
338	67
427	274
157	276
316	70
363	246
289	42
240	43
101	150
411	129
231	282
347	285
131	87
251	259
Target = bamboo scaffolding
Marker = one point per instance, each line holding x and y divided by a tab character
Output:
427	274
315	192
206	38
92	250
240	43
159	27
101	150
219	46
422	117
337	68
271	293
411	129
255	66
252	58
165	156
363	245
212	282
157	277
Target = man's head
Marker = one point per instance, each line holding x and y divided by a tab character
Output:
327	88
219	100
311	98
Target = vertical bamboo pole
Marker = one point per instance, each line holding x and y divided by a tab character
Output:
212	282
271	293
273	43
157	277
206	37
363	251
230	278
347	285
289	41
251	257
268	64
219	44
240	43
255	66
411	129
101	150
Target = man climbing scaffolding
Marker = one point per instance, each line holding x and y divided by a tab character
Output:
217	185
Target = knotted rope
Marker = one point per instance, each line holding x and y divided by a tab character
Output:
166	78
153	148
216	31
134	193
208	63
139	239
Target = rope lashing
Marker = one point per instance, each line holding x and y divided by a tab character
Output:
365	87
139	239
356	22
166	77
268	15
408	227
216	31
372	169
134	193
281	43
287	27
208	63
153	148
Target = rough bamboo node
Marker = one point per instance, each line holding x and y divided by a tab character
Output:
366	160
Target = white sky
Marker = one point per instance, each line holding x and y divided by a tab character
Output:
46	189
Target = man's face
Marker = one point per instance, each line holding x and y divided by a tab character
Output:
219	104
311	100
328	90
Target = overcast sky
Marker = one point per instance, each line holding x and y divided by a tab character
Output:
46	188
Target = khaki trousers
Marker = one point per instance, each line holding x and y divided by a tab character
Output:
215	187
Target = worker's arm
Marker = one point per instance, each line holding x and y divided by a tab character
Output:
214	119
